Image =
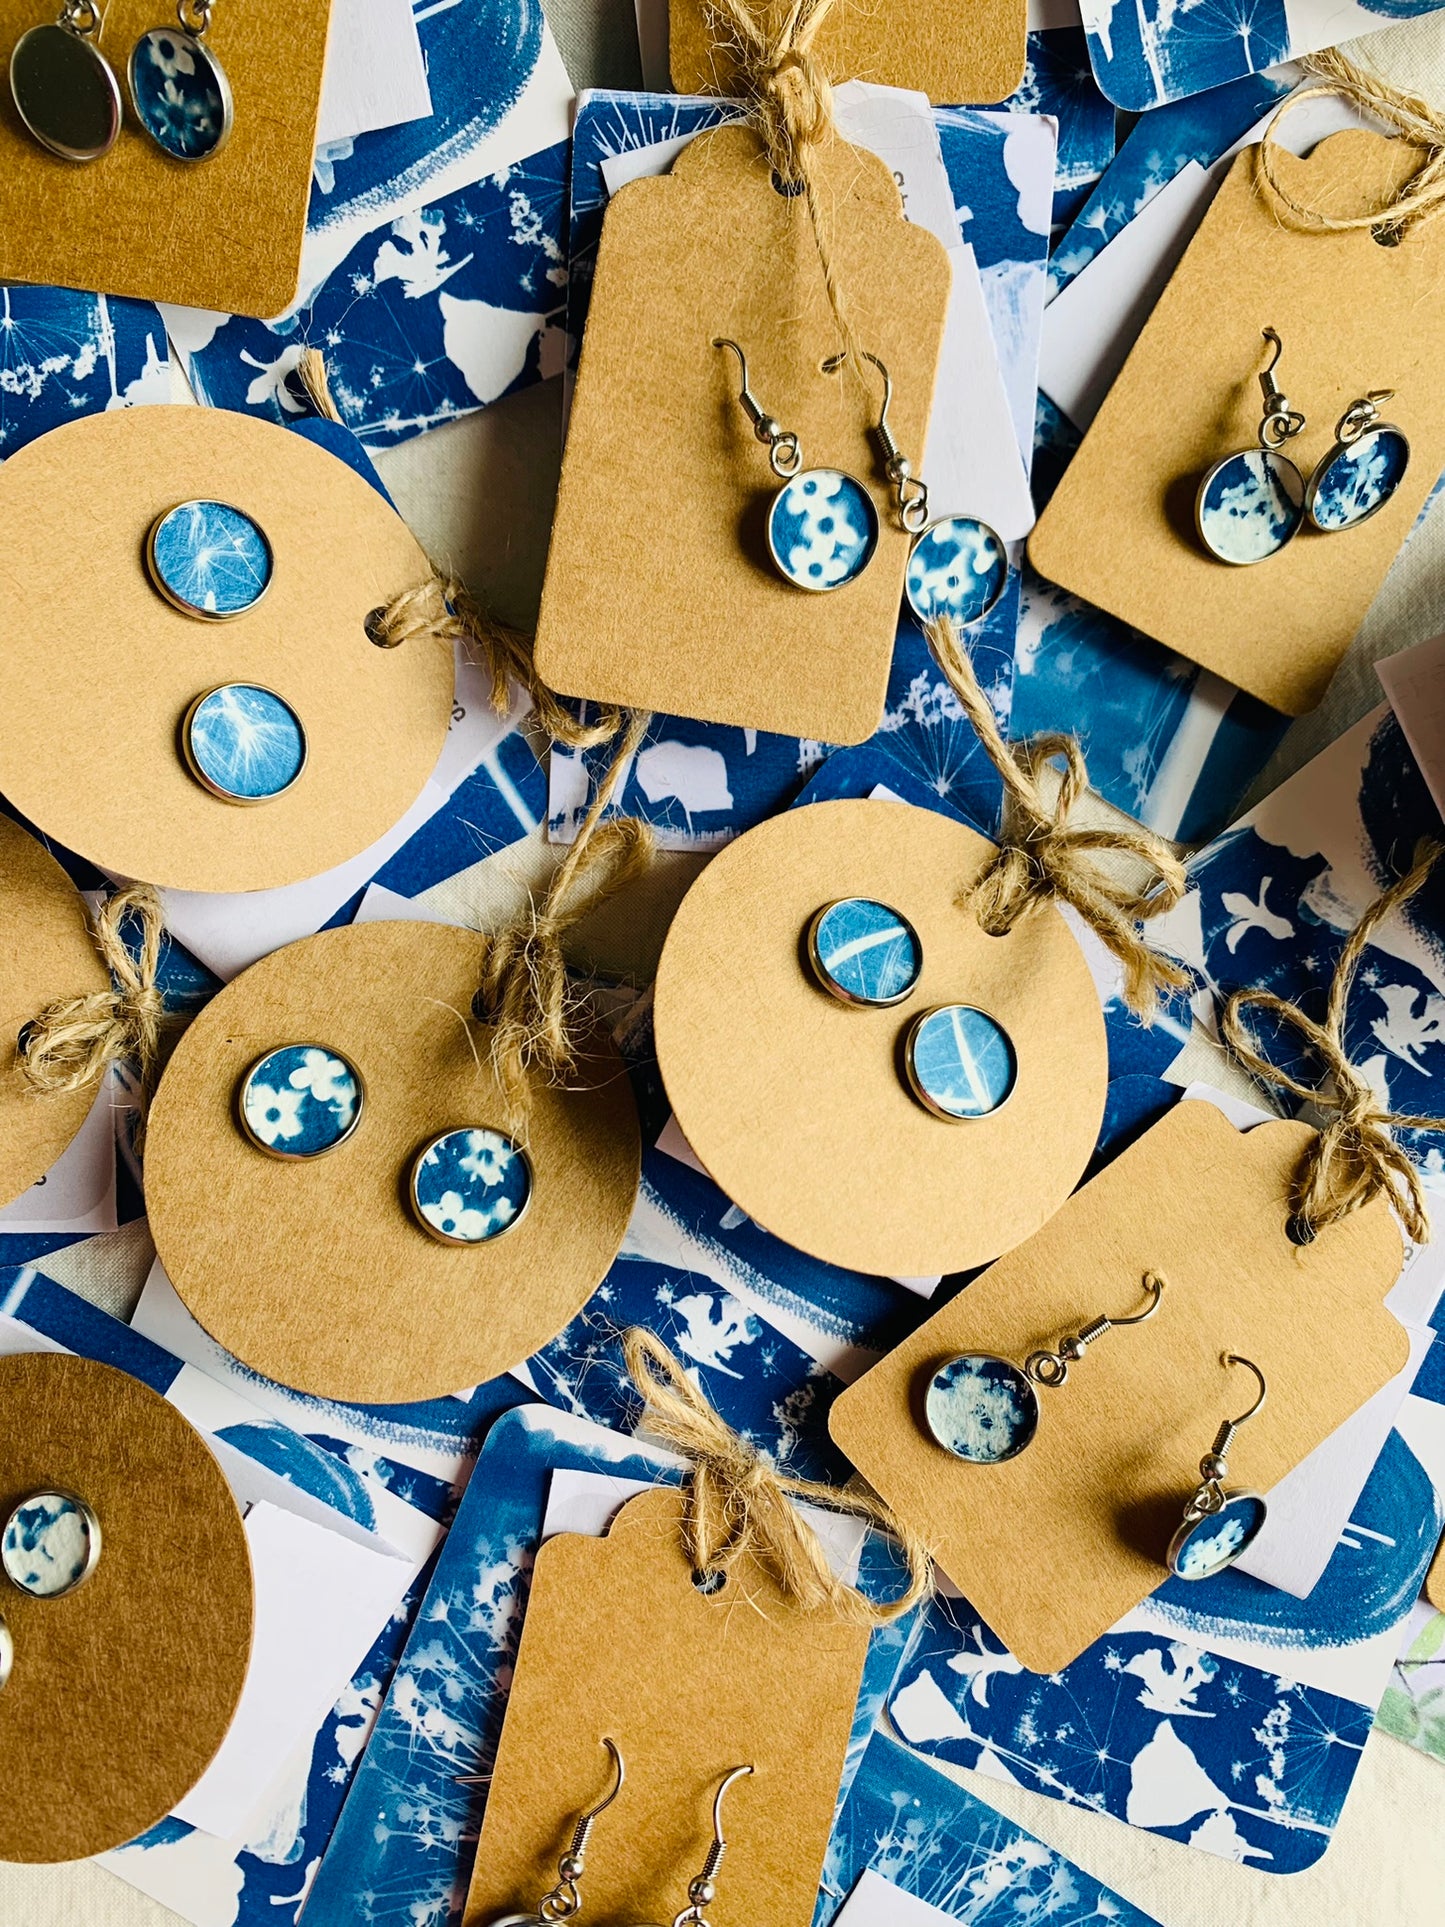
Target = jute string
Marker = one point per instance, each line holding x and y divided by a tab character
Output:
739	1507
72	1042
1355	1157
1419	198
1041	859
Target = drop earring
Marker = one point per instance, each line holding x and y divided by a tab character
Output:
822	525
178	87
64	88
1252	502
984	1408
1217	1525
702	1889
565	1899
1362	471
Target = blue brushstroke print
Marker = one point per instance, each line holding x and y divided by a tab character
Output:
64	354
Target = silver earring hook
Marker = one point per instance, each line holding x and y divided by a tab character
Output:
702	1891
785	452
910	493
1214	1466
565	1899
1052	1368
1281	422
1233	1358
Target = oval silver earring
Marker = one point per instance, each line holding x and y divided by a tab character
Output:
563	1900
64	88
1217	1525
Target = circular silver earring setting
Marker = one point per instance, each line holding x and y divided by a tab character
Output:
1363	469
243	743
209	560
863	953
981	1408
958	567
822	528
50	1544
179	89
300	1101
960	1062
1253	502
64	88
471	1186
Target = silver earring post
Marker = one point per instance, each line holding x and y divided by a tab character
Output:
702	1890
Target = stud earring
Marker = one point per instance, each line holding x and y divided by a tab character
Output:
64	88
300	1101
50	1544
1252	502
984	1408
863	953
243	743
822	525
470	1186
1362	471
957	566
179	88
208	560
960	1062
702	1890
565	1899
1218	1525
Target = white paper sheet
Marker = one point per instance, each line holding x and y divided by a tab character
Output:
1414	681
375	76
77	1193
876	1902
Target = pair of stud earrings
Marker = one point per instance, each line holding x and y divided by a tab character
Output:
1254	501
49	1546
465	1187
823	528
959	1061
985	1409
67	93
564	1900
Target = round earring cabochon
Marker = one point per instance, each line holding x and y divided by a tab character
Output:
800	1109
315	1271
83	624
122	1690
46	954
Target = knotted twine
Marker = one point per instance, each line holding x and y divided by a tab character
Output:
1418	198
1041	859
1355	1158
738	1506
73	1042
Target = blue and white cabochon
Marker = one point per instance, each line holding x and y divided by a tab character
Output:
51	1542
863	952
822	529
958	568
1249	505
300	1101
180	94
469	1186
244	743
961	1062
1357	478
981	1408
209	560
1211	1544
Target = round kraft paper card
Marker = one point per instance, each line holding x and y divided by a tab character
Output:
46	954
189	588
127	1600
335	1192
857	1065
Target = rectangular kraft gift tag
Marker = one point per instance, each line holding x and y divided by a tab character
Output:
1353	316
973	51
659	591
223	233
1053	1547
618	1643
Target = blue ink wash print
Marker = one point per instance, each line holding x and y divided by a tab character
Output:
244	743
64	354
864	952
961	1062
470	1186
1152	51
1212	1544
1059	81
300	1101
180	94
822	529
927	1836
1359	480
209	559
981	1408
50	1543
958	567
1249	505
442	312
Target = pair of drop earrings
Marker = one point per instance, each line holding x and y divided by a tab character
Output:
49	1546
985	1409
564	1900
466	1186
1250	504
822	526
959	1061
67	93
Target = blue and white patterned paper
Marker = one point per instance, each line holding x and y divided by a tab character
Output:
470	1186
1059	81
981	1408
48	1545
210	558
246	742
64	354
301	1100
178	93
1360	479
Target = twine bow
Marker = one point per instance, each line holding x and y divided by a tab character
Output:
1418	198
1041	859
73	1042
738	1506
1355	1157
